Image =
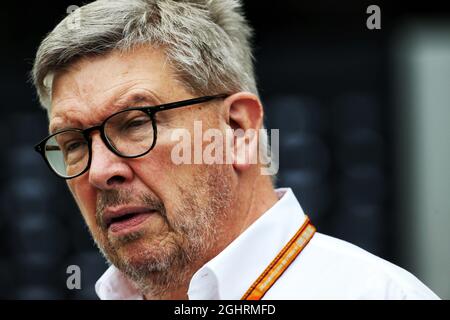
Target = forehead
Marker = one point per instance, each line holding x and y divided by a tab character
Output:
94	87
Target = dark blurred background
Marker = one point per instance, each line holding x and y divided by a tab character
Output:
364	137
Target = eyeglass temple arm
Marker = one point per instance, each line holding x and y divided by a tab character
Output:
38	147
185	103
52	148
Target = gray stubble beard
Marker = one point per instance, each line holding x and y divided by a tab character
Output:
194	234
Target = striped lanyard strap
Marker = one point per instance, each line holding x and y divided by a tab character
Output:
281	262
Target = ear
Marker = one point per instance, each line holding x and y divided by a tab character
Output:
245	117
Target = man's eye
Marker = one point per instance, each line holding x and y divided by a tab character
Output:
73	146
136	123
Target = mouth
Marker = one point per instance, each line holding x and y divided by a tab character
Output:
126	219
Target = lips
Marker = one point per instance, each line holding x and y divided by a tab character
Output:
125	218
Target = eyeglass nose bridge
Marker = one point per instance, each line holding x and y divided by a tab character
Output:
87	133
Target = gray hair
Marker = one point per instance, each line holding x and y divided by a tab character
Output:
207	42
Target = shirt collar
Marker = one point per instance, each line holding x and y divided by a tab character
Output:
231	272
114	285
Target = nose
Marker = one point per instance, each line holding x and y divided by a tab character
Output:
107	170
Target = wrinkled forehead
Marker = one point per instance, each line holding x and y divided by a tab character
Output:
94	77
94	85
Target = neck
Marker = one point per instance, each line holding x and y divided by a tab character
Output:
261	198
177	289
178	294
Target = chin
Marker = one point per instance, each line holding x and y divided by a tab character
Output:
145	256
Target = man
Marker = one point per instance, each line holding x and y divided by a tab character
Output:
118	78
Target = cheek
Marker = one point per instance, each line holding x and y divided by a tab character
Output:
153	168
85	197
162	176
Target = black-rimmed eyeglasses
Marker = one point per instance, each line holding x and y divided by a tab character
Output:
129	133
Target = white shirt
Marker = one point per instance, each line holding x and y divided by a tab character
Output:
327	268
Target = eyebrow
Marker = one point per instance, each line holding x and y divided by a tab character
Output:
116	106
61	126
134	99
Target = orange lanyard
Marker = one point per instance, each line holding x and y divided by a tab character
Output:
281	262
